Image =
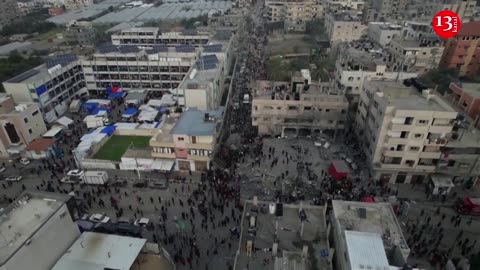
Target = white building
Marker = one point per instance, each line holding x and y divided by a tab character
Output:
92	251
344	27
366	236
354	67
149	36
402	130
382	33
35	231
51	85
415	56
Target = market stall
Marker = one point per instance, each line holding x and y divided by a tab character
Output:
338	169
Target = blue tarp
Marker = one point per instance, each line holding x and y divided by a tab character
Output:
116	95
130	111
108	130
89	107
41	89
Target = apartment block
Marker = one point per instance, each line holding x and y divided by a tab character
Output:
388	10
51	85
402	130
354	66
76	4
32	222
425	10
414	56
335	6
160	68
366	236
190	140
19	125
80	33
466	98
295	13
149	36
8	12
462	52
298	108
382	32
344	26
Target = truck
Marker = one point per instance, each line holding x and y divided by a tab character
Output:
95	178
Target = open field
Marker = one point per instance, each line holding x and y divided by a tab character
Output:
114	148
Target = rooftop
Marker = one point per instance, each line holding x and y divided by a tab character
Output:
96	251
366	249
470	29
23	218
193	122
290	237
407	98
40	144
165	129
8	48
375	218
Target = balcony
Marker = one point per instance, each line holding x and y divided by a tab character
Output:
199	158
435	142
431	155
390	153
204	146
163	155
393	141
401	127
440	129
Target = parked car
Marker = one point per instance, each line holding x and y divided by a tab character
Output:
2	169
13	178
124	220
119	183
24	161
143	222
99	218
141	184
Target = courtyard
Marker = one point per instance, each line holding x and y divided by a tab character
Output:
117	145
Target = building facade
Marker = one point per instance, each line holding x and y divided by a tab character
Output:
466	98
8	12
19	125
414	56
382	33
51	85
80	33
344	27
462	52
297	108
149	36
31	223
401	131
295	13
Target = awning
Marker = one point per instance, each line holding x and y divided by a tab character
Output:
65	121
129	112
163	164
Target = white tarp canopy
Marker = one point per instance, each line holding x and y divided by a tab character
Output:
163	164
123	125
136	97
149	126
166	100
52	132
100	102
148	116
65	121
145	107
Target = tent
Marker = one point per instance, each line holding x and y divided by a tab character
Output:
115	92
108	130
65	121
338	169
129	112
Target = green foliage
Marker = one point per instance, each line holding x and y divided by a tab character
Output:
15	64
316	29
101	35
440	78
279	69
31	23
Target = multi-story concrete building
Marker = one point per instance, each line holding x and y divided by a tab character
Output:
19	125
8	12
150	36
401	130
76	4
366	235
414	56
34	221
300	107
466	98
334	6
51	85
190	141
462	52
382	33
425	10
388	10
295	13
355	66
262	239
161	68
80	33
344	27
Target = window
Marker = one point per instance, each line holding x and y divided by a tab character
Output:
267	107
350	78
30	131
418	135
25	120
291	108
422	122
35	113
307	108
181	139
414	148
327	110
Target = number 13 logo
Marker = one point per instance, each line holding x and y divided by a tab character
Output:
446	24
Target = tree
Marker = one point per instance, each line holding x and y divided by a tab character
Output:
316	29
440	78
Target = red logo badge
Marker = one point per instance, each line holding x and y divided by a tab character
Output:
446	24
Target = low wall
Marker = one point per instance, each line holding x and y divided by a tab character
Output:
96	146
90	163
136	132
